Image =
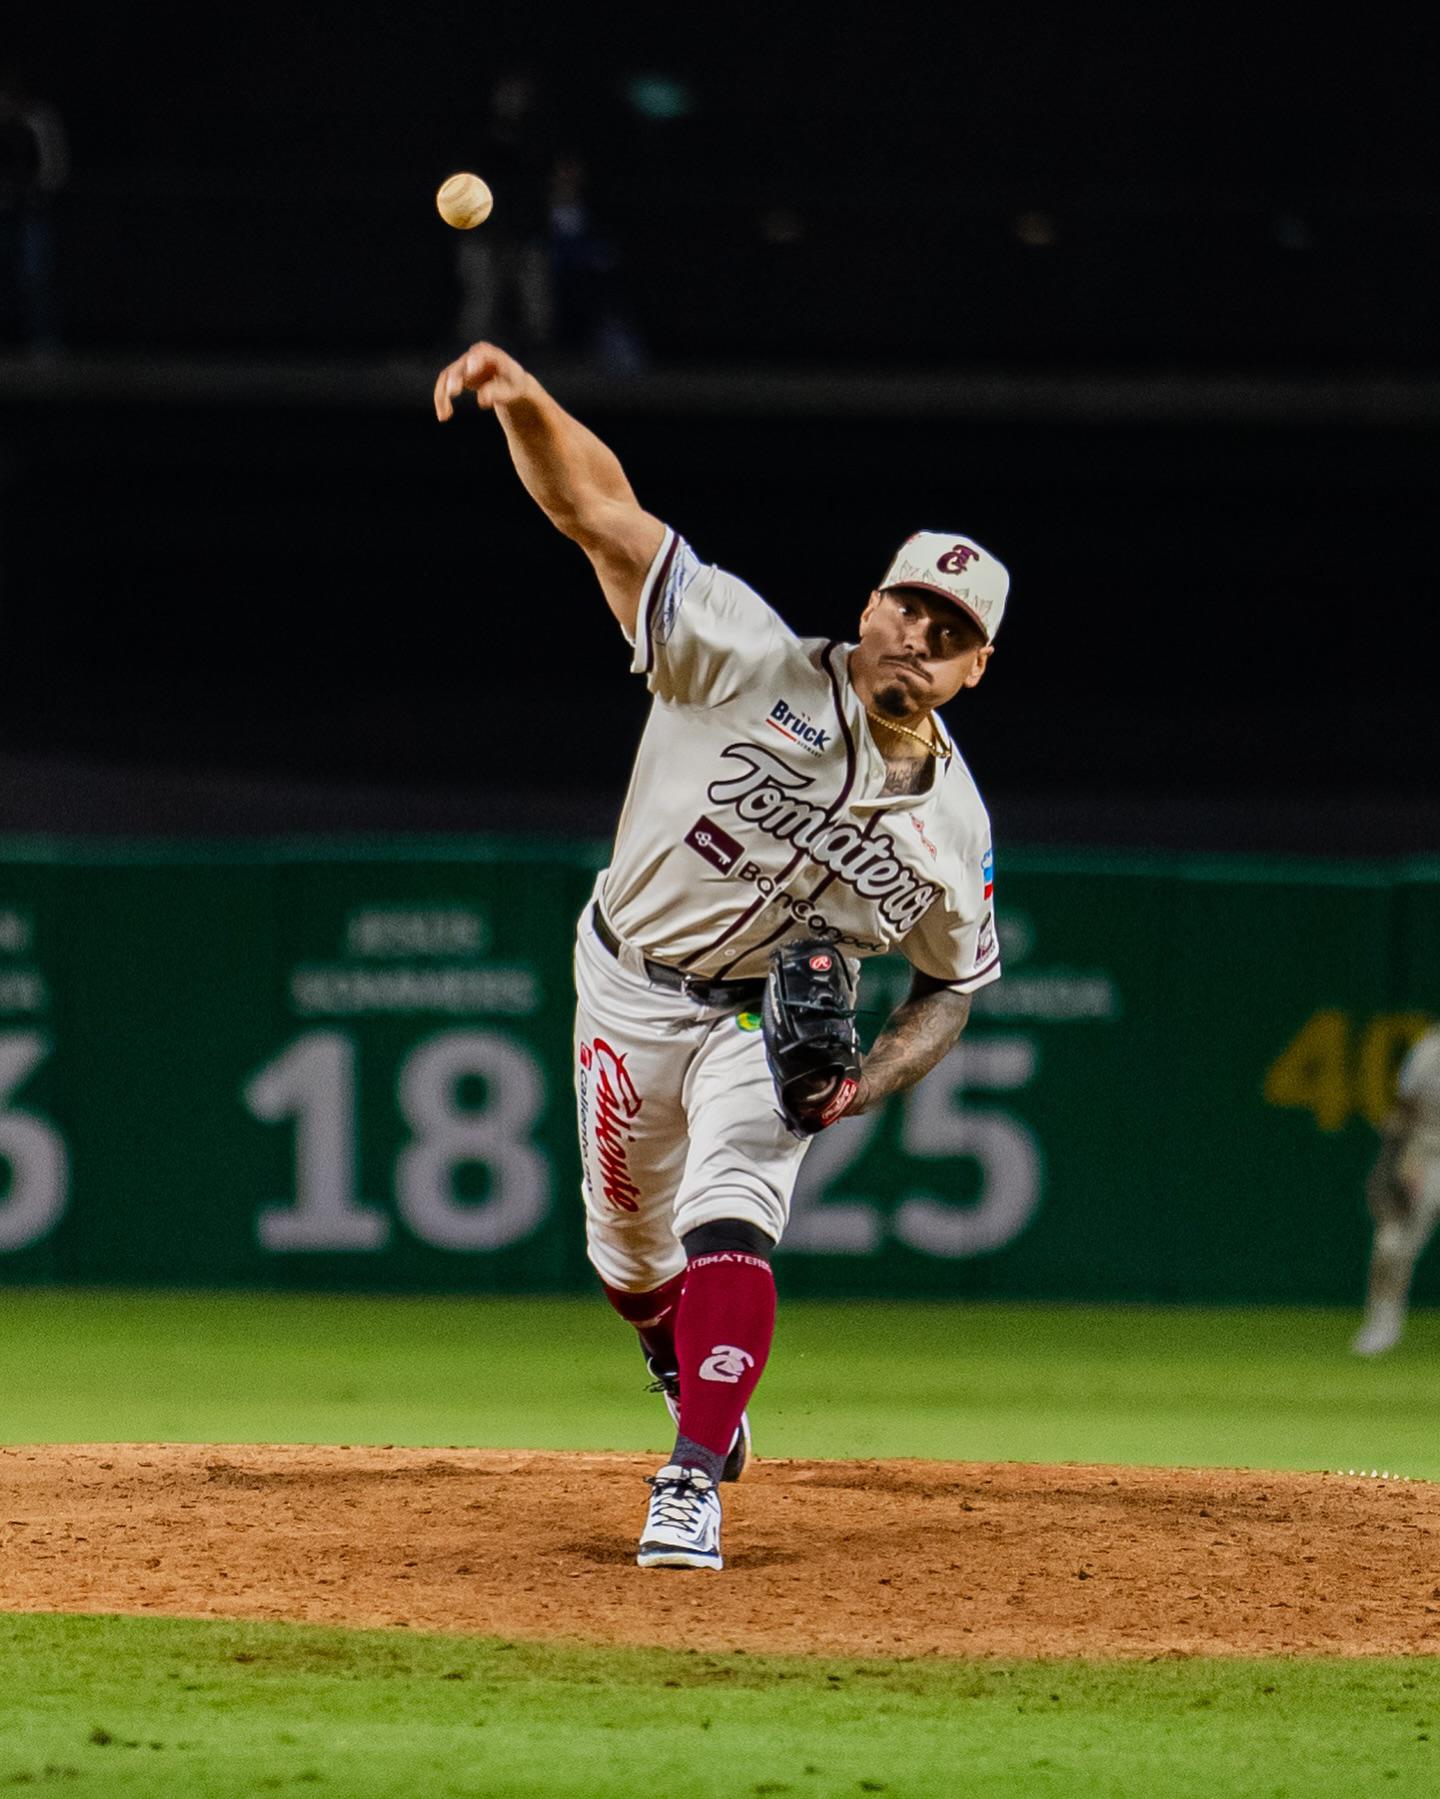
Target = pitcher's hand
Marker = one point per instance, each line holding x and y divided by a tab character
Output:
484	370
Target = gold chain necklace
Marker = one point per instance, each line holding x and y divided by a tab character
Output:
940	750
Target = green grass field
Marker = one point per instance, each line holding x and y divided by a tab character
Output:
1259	1389
108	1705
164	1706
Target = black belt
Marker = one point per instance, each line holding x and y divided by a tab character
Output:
742	994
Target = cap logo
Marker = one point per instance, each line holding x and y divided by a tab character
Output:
953	561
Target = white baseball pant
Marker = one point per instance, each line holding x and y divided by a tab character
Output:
1418	1172
677	1116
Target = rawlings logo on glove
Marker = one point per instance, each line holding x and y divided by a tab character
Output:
810	1039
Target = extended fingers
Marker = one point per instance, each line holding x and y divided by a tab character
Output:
475	370
449	383
487	372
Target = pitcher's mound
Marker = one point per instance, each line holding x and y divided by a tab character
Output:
838	1558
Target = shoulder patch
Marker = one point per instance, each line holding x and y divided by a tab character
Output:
684	566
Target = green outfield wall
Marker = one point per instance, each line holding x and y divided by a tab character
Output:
350	1067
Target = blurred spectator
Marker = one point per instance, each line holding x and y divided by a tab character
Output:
591	320
540	274
507	286
34	164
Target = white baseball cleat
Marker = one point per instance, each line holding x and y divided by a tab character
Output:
739	1457
1377	1336
682	1527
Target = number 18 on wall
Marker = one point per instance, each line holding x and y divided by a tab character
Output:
312	1085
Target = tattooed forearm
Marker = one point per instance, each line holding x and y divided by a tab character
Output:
916	1036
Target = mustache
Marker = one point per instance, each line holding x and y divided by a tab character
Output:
914	667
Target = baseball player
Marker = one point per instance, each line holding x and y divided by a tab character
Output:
1403	1194
786	790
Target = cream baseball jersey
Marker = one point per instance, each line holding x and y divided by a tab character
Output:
756	807
1419	1082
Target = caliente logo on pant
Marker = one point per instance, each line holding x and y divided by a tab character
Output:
726	1363
617	1103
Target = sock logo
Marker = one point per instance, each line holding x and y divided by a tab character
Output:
726	1363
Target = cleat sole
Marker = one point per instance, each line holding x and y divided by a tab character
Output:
667	1556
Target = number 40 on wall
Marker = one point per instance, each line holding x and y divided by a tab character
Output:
1335	1067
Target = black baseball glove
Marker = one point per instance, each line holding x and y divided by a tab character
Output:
810	1038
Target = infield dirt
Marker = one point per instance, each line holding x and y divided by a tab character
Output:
844	1558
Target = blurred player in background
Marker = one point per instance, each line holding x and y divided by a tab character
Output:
1403	1195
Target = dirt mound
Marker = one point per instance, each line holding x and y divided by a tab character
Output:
852	1558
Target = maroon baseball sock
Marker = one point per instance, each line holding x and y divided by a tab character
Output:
653	1315
723	1331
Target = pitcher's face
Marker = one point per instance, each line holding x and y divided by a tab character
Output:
916	651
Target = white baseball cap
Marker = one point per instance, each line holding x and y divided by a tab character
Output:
957	569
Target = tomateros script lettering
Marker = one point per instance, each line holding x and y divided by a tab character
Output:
765	792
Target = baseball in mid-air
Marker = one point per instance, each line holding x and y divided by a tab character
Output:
464	201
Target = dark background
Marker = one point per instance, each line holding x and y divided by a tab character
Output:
1147	306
